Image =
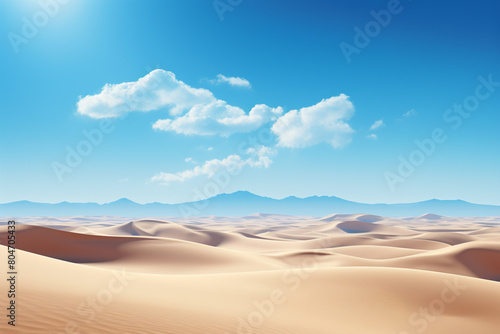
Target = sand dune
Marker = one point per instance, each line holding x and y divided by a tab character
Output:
263	273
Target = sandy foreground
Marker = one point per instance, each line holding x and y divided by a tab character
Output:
345	274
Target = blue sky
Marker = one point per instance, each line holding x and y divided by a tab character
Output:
275	70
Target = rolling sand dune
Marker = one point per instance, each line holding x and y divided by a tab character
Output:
258	274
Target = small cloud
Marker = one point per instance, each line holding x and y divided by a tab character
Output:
209	169
410	113
372	136
190	160
258	157
232	81
324	122
377	124
205	148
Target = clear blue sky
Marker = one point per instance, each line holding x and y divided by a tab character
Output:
288	56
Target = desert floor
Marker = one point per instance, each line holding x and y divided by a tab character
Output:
341	274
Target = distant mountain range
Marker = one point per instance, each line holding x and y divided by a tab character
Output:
243	203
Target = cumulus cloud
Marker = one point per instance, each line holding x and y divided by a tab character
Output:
193	111
209	169
323	122
258	157
219	118
377	124
372	136
232	81
158	89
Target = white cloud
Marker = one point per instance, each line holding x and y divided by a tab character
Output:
410	113
158	89
372	136
377	124
195	111
258	157
323	122
232	81
219	118
209	168
190	160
